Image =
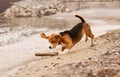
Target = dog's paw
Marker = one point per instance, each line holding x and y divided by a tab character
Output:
64	52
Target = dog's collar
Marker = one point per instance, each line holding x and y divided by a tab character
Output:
60	40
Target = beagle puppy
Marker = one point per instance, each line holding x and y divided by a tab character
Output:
69	38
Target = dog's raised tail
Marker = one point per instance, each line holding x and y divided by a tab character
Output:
80	18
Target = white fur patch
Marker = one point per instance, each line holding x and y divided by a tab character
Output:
64	52
63	45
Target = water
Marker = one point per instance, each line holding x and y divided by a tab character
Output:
18	29
10	33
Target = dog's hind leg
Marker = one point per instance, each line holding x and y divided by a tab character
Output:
92	44
86	38
88	32
92	38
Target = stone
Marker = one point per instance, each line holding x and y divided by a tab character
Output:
50	12
34	9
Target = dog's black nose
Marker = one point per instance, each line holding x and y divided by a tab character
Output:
50	47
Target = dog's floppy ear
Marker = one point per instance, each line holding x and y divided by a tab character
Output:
44	35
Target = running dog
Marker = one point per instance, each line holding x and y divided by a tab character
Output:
69	38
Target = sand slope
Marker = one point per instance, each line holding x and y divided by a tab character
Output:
101	60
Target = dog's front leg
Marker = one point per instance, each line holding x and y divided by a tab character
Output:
64	51
66	46
63	48
69	46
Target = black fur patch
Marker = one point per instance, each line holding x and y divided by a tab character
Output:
74	32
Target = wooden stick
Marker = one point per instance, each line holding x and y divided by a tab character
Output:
47	54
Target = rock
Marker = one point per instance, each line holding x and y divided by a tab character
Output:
2	14
50	12
67	10
51	6
23	12
34	8
8	13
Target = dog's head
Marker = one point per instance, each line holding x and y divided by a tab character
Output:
54	39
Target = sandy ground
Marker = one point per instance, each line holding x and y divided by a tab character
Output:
18	59
99	61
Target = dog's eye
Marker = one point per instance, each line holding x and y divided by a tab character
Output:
52	41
